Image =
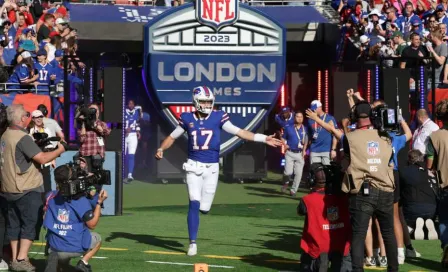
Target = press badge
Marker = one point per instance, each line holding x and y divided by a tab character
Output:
100	141
300	146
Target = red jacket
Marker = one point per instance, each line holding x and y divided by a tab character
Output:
28	17
327	225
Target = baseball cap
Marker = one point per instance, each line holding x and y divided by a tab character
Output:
363	109
440	7
58	53
315	104
61	21
26	30
37	113
286	109
415	21
396	34
363	39
25	54
42	52
62	11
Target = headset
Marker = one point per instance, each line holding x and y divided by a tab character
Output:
43	109
353	115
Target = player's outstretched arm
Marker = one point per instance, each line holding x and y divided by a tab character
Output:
313	116
168	142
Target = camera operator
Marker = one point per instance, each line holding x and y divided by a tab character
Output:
68	220
36	126
21	184
437	151
326	233
370	182
91	134
3	210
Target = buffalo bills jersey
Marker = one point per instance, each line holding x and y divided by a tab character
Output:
64	221
20	74
204	135
132	118
284	123
44	71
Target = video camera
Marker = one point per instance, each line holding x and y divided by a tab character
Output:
45	142
385	119
80	180
85	115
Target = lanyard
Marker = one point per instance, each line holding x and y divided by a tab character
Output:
316	126
297	133
420	129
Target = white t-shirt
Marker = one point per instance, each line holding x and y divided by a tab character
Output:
421	135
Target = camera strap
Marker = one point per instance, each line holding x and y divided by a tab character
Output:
50	197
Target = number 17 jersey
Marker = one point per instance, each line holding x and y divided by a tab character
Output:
204	135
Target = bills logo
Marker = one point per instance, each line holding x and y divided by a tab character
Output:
234	50
63	215
217	13
373	148
332	213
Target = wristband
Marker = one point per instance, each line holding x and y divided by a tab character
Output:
159	150
261	138
98	203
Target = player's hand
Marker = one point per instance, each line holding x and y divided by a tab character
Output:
102	196
272	141
358	95
311	114
159	154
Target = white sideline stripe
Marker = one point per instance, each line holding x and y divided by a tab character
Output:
190	264
42	253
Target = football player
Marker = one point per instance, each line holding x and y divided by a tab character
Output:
203	128
132	118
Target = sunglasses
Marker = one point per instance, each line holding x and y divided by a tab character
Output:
38	117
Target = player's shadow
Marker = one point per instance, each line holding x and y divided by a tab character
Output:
267	192
267	260
425	264
151	240
40	264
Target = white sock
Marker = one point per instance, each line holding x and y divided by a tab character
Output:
376	252
401	251
86	263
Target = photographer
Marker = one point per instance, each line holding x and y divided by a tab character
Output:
50	123
21	184
326	233
68	220
369	181
92	133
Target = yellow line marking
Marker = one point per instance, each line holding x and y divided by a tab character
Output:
224	257
163	252
374	268
102	248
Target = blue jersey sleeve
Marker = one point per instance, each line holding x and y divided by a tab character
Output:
183	122
23	73
286	134
225	117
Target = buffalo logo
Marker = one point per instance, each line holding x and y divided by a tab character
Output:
63	215
373	148
332	213
217	13
236	51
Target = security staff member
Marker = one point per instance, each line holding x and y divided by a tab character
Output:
285	117
369	181
296	140
437	152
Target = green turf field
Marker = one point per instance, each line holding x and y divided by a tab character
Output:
251	228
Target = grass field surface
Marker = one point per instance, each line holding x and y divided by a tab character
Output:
250	228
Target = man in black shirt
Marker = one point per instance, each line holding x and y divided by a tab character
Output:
413	54
46	28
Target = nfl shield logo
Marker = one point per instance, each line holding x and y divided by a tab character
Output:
373	148
217	13
332	213
63	215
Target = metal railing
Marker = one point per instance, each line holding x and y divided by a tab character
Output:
33	89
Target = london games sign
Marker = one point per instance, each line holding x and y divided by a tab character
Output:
234	49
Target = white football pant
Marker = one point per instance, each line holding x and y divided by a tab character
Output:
131	143
202	181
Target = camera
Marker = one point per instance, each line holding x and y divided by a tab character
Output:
384	119
44	142
80	180
85	115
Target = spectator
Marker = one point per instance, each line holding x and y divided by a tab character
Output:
413	55
416	26
441	15
46	72
285	117
62	27
418	196
399	42
21	185
439	51
50	123
374	27
391	18
323	145
46	28
60	12
23	74
407	20
92	138
425	128
364	48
